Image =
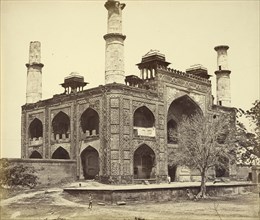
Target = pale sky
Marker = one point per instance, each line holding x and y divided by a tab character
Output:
71	36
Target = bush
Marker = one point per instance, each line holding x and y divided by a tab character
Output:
13	175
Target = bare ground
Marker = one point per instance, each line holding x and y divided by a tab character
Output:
50	204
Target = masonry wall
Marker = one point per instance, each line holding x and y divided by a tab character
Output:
52	171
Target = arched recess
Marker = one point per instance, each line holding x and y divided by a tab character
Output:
143	117
181	107
36	155
90	162
35	129
144	122
144	163
61	126
60	153
89	122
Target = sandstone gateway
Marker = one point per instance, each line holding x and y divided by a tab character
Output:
117	132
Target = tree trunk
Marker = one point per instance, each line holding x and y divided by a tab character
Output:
203	184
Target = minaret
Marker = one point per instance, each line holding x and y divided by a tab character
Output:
34	73
223	77
114	64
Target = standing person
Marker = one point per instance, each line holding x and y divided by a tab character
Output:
90	201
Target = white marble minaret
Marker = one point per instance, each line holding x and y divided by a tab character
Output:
34	74
223	77
114	63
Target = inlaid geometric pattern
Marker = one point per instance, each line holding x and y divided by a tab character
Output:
114	129
114	142
114	116
114	167
114	155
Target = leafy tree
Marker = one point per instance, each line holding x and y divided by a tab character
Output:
203	142
249	142
17	175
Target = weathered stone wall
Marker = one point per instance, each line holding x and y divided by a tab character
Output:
167	193
52	171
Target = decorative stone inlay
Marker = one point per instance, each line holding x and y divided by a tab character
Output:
126	167
55	111
200	100
114	142
173	93
161	109
126	117
126	130
114	167
114	116
114	102
126	155
126	104
114	129
114	155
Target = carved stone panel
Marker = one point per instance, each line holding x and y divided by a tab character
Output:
115	155
126	167
126	104
126	117
114	102
114	129
114	116
126	129
114	142
114	167
126	155
200	100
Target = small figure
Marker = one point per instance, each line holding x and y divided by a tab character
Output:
90	201
169	179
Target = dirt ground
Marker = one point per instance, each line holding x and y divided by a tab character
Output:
54	204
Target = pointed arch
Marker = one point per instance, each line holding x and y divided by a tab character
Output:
144	162
183	106
90	162
60	153
143	117
35	129
36	155
89	122
61	126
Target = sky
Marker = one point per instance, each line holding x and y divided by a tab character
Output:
71	36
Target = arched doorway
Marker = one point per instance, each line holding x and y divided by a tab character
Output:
60	153
181	107
90	162
144	163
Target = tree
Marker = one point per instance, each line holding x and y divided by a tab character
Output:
13	175
248	142
203	142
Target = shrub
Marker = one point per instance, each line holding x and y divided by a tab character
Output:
13	175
